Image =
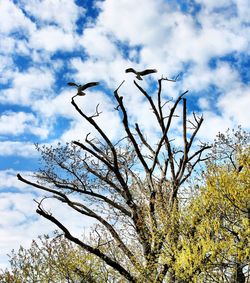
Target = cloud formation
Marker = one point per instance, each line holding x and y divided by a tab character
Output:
45	44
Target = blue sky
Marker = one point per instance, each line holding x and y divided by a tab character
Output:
46	43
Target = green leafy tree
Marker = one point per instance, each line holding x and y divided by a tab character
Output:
215	246
55	260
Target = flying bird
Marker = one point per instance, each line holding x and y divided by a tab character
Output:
81	88
142	73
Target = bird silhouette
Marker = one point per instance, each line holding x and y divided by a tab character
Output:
81	88
240	168
142	73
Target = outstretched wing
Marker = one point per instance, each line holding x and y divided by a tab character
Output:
83	87
147	72
72	84
130	70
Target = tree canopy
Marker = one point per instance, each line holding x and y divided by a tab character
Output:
215	242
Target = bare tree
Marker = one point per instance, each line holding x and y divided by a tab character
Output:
131	187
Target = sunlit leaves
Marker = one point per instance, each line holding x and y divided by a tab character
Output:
216	241
51	260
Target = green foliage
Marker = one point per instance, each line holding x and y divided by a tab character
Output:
214	243
54	260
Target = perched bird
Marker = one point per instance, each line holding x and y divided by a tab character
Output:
240	168
142	73
81	88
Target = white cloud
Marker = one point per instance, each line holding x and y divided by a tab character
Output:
243	10
204	103
190	42
175	40
59	105
13	19
10	46
213	4
17	148
6	65
213	123
133	22
200	77
34	79
52	39
16	123
229	110
7	44
8	179
28	86
235	105
98	45
64	13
